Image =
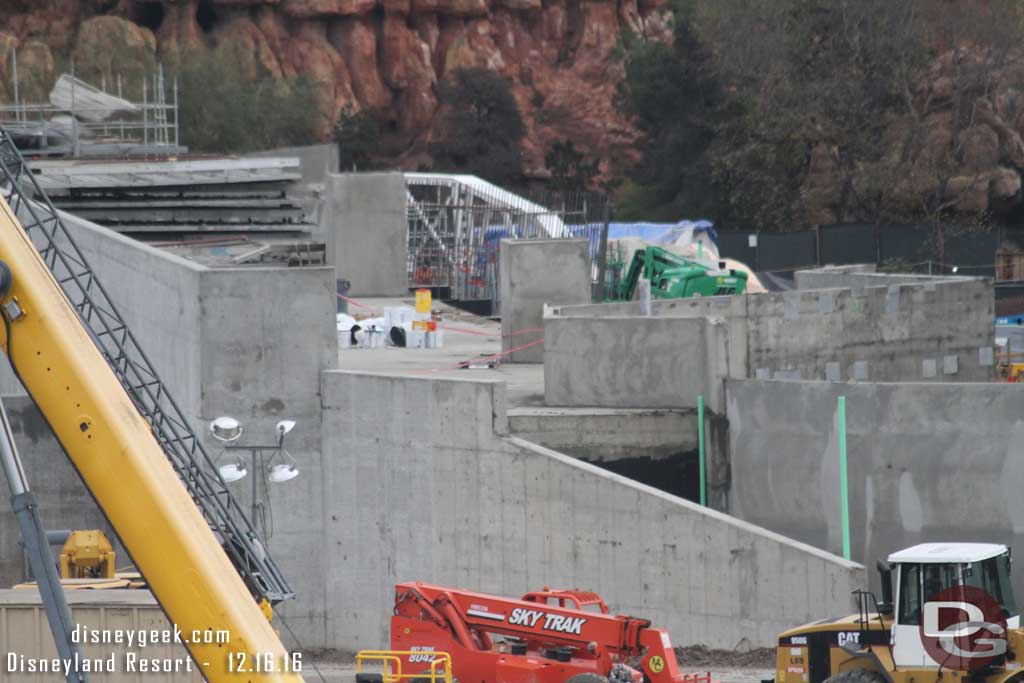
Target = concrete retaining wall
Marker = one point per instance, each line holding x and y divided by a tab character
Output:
442	495
533	273
597	435
927	462
634	362
364	219
937	330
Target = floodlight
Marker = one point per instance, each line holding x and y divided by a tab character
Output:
233	471
226	429
282	472
285	426
956	268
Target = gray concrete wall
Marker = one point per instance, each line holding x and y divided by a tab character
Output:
927	462
316	160
533	273
603	434
443	495
862	275
157	294
634	362
65	502
364	218
937	330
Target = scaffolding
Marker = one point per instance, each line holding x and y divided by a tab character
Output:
82	120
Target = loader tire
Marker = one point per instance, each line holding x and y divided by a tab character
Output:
856	676
586	678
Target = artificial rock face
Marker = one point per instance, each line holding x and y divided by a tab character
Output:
384	55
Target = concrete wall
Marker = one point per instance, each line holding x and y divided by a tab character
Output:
64	501
533	273
927	462
937	330
364	218
862	275
443	495
316	160
246	342
634	362
602	434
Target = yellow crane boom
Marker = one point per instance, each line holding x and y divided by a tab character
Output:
122	464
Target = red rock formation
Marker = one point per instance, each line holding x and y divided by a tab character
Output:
387	55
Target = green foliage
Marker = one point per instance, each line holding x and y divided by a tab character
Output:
359	138
675	97
896	265
223	111
569	169
481	129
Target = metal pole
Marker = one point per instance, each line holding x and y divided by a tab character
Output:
844	494
37	547
602	250
145	115
14	75
175	111
700	451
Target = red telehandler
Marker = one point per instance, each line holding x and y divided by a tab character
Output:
550	636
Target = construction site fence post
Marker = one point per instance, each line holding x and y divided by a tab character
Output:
844	495
700	451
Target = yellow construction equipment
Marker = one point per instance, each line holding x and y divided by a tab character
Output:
954	617
115	451
87	555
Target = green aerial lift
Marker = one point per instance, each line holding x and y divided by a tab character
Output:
675	277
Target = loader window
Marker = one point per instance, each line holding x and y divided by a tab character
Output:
910	595
993	577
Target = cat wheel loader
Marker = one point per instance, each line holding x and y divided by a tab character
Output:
947	613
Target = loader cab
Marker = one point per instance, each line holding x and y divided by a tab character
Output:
924	571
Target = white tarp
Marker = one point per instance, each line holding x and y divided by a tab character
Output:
89	103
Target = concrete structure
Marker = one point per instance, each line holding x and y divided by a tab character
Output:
939	329
533	273
412	477
927	462
364	220
634	362
603	435
431	488
315	161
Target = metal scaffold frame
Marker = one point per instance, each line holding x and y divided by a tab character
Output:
455	223
188	457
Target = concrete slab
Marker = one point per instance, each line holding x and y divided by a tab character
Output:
466	337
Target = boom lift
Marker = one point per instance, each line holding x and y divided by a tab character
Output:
545	637
675	277
954	617
131	445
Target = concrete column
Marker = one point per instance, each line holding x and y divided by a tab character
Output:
533	273
364	219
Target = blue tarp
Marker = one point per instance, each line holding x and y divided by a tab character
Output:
661	233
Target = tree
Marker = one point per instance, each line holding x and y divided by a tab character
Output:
358	137
481	128
570	170
222	110
675	97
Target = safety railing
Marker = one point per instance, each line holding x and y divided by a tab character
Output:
392	661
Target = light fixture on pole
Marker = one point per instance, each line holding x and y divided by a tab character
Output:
228	430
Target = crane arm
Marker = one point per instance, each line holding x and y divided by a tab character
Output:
121	463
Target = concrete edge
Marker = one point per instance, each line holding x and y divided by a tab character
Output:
683	503
1011	386
77	222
